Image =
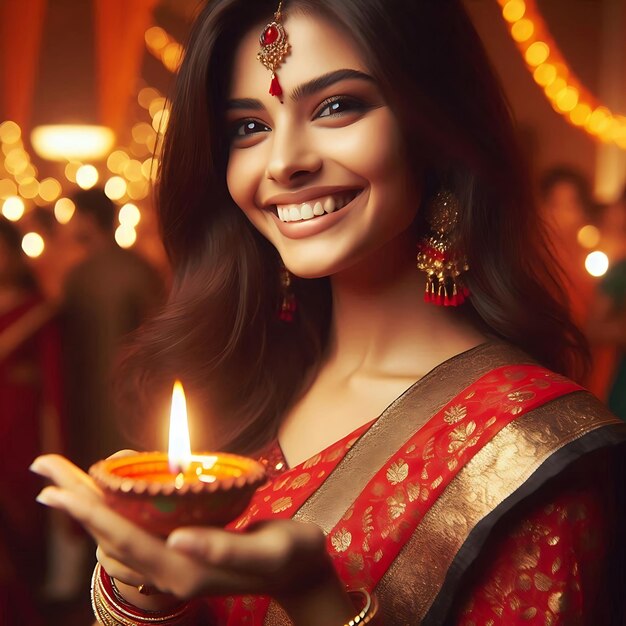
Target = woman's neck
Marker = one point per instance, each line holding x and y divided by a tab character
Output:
381	324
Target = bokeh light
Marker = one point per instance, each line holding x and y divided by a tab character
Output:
29	188
64	210
50	189
13	208
537	53
158	104
10	132
132	170
597	263
172	56
522	30
160	120
86	176
115	188
116	161
514	10
156	38
125	236
33	244
146	96
567	99
588	236
129	215
70	170
545	74
7	188
138	189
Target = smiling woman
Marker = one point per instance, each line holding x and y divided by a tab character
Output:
331	142
428	464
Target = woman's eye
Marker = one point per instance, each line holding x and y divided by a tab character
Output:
249	127
338	106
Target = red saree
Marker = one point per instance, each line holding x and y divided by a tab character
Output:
480	497
411	502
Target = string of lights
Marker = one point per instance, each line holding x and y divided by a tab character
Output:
565	92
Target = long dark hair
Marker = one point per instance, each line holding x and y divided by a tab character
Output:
220	332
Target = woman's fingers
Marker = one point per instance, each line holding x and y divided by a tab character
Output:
116	569
272	557
282	551
133	548
65	474
122	453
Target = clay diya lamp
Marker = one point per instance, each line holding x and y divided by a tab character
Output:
161	492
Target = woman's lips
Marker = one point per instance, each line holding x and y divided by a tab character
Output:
299	229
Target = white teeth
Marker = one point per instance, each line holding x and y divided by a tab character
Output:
309	210
306	212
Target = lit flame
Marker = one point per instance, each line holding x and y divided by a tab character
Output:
179	453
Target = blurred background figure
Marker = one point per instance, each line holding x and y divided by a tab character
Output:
607	320
567	205
30	409
106	296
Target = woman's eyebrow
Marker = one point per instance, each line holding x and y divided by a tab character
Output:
304	90
326	80
244	103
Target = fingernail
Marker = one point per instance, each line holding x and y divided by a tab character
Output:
48	497
38	466
181	540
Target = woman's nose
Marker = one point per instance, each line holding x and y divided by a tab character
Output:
292	157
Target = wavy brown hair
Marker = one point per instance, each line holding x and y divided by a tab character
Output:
219	331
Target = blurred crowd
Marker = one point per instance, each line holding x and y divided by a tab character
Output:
589	239
57	356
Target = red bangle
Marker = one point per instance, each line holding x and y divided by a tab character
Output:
111	609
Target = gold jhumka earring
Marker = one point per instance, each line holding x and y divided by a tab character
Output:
274	48
439	256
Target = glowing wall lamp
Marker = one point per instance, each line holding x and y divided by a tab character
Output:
65	142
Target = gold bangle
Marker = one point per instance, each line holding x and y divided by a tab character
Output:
369	610
110	612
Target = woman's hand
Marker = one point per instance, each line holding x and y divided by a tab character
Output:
282	558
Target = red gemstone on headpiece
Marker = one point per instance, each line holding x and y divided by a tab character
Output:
275	88
270	35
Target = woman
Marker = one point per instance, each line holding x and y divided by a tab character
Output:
462	502
29	425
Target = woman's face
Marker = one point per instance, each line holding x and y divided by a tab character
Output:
322	175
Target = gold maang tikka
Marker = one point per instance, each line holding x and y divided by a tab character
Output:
274	48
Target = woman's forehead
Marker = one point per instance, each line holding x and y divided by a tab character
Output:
317	47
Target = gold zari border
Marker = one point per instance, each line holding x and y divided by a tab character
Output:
397	424
500	468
